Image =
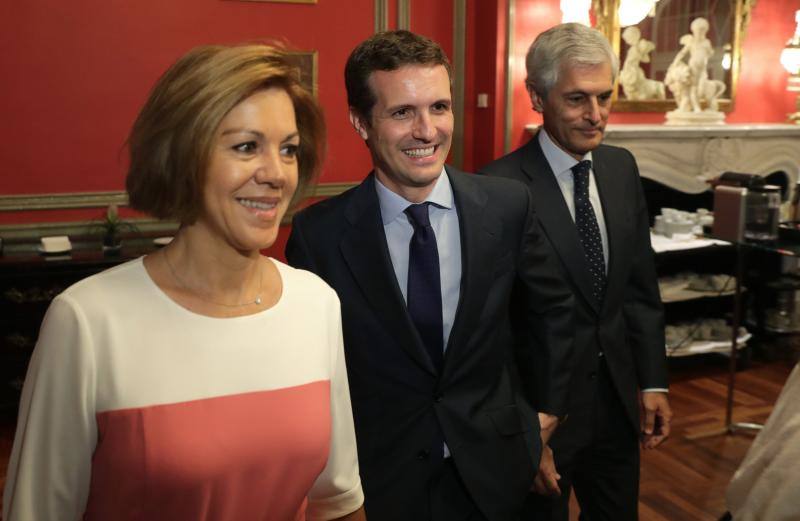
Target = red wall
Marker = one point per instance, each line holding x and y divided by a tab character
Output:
761	96
75	74
485	73
434	20
532	17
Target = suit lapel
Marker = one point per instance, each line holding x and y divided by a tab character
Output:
480	232
367	255
555	218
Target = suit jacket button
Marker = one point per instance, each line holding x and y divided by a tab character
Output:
593	375
437	398
423	454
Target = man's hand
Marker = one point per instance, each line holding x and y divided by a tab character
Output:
547	426
546	480
655	418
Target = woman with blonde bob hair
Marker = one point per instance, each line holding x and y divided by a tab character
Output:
203	381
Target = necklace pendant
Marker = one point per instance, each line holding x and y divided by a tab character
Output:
258	300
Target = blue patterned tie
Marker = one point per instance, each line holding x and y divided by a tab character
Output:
589	230
424	291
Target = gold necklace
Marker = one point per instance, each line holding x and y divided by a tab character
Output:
182	284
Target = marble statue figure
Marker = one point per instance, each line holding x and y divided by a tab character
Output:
687	78
632	78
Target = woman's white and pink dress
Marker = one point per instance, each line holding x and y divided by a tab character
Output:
135	408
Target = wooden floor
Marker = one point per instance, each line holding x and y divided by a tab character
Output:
685	479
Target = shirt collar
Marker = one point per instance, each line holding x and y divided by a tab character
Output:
392	204
560	162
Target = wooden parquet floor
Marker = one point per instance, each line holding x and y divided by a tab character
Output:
685	479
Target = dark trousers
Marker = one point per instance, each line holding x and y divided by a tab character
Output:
598	456
449	498
442	497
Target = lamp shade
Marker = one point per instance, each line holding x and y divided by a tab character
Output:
576	11
790	56
790	59
631	12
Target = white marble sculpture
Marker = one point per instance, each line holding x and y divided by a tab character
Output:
687	79
632	78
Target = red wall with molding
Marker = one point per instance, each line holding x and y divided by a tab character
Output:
75	74
761	96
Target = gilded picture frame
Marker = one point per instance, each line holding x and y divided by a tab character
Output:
606	13
306	62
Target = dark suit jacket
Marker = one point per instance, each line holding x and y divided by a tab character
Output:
400	403
629	326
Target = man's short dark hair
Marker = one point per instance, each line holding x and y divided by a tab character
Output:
387	51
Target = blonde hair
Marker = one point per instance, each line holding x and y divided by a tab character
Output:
171	140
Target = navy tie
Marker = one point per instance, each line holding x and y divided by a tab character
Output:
589	230
424	291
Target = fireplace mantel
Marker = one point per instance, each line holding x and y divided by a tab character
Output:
684	158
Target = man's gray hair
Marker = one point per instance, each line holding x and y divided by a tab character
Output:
570	43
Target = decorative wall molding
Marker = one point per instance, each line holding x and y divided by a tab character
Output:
509	113
12	233
404	14
381	15
332	189
459	64
78	200
63	201
72	201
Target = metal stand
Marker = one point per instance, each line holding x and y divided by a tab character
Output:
731	427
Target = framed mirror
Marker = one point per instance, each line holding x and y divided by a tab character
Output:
647	49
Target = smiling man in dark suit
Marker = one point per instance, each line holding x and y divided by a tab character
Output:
590	204
424	259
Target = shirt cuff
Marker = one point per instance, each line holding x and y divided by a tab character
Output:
655	390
